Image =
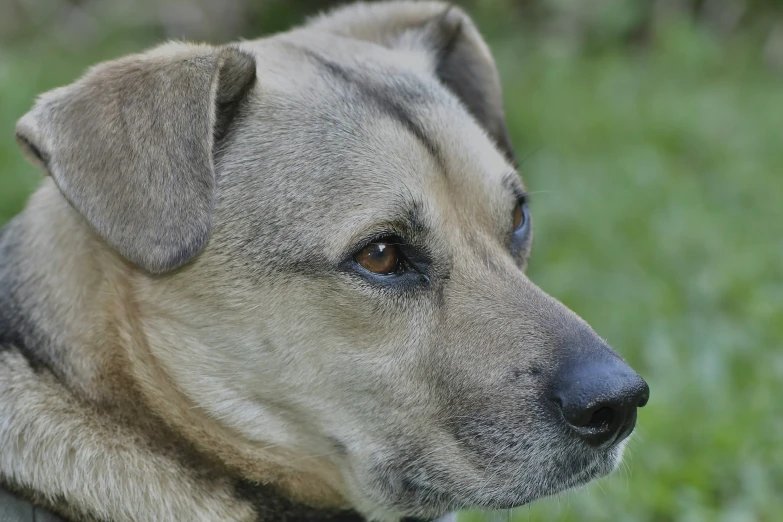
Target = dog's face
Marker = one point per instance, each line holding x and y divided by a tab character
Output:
355	236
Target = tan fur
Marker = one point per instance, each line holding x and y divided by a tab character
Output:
114	365
195	322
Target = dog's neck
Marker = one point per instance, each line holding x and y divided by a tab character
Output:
81	391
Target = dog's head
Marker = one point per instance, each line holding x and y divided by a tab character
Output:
332	239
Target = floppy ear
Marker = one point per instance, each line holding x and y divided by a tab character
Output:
462	60
130	145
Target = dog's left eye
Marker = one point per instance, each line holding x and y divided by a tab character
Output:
381	258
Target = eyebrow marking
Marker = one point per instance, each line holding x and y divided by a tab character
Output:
385	103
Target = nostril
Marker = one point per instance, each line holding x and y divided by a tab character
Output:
601	424
601	420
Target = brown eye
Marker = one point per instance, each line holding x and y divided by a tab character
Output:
380	258
519	216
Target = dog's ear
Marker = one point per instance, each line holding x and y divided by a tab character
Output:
462	60
130	145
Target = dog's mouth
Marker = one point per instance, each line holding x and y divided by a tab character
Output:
502	456
504	488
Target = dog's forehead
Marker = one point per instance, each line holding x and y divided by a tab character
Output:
367	130
329	80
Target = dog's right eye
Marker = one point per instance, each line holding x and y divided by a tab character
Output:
381	258
521	216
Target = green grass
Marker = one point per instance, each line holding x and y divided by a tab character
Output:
657	184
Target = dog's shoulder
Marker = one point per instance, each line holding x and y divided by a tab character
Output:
18	332
61	450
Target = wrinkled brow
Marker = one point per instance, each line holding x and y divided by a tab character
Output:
384	101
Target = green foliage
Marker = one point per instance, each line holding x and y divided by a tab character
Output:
657	186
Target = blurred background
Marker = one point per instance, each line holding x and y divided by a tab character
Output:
651	133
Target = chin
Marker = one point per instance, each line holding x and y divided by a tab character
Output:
427	502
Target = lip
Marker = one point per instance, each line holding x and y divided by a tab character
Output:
421	498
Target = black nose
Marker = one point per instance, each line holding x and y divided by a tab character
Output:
599	396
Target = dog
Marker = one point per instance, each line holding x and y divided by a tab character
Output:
284	280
